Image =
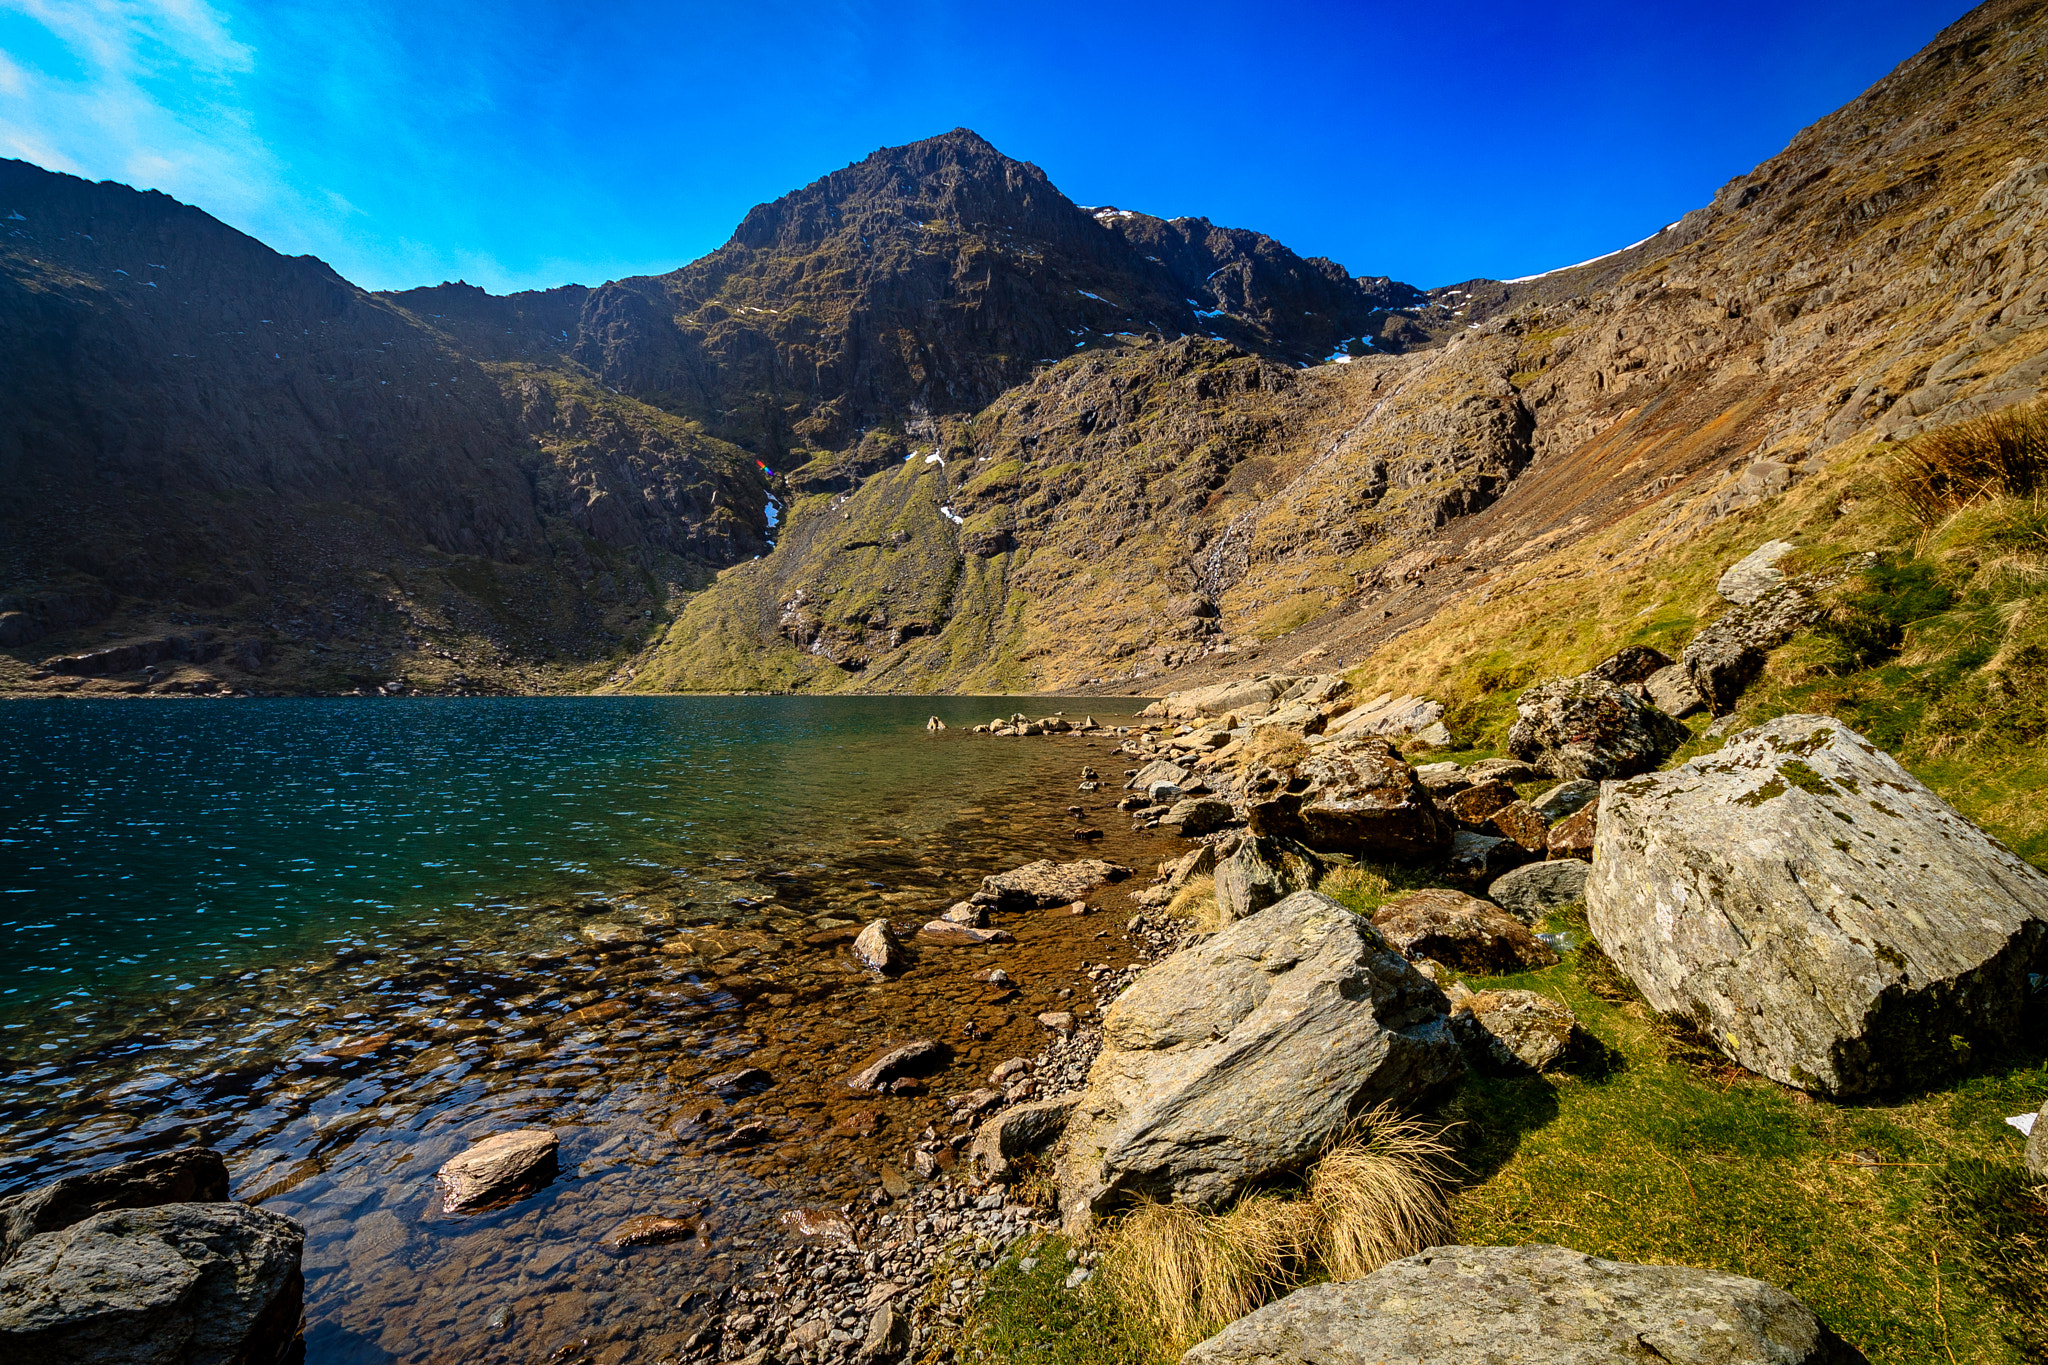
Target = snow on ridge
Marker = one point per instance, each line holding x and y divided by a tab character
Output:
1524	279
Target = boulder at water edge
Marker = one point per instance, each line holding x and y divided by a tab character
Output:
1590	728
1241	1057
1532	1305
181	1284
1830	921
1261	872
502	1164
1045	882
1351	796
189	1175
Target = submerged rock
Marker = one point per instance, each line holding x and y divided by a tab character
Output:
1533	1305
918	1057
502	1164
1831	922
1241	1057
183	1284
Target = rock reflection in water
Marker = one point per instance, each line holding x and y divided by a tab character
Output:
338	1088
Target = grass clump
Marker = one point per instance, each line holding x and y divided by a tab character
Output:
1380	1192
2000	454
1196	903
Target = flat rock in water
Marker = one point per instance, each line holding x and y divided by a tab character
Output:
961	935
1533	890
1831	922
184	1284
1241	1056
189	1175
918	1057
1532	1305
1045	882
1461	931
1157	771
500	1164
650	1229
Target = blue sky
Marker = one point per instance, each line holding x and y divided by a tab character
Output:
520	145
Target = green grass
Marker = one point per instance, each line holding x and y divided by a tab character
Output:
1666	1154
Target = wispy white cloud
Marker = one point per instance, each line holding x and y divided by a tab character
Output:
143	91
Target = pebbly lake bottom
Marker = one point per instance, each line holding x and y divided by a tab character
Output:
339	941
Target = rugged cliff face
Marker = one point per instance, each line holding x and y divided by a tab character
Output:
1884	274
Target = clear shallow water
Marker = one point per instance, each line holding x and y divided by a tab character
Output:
145	845
339	940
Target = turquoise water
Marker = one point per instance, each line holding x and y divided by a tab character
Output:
144	846
338	940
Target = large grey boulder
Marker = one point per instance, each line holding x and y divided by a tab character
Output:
1832	923
1262	871
1530	1305
1353	796
1387	715
1755	574
1240	1057
179	1284
1588	727
1533	890
189	1175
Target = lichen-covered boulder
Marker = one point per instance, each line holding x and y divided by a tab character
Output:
1239	1058
1831	922
182	1284
1591	728
1461	931
1530	1305
1729	652
1351	796
1511	1032
1572	837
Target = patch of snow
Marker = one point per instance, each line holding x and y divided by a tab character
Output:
1340	359
1086	295
950	515
774	514
933	458
1524	279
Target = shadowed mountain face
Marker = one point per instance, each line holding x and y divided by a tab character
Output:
199	431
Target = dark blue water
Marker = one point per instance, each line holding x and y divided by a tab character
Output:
143	845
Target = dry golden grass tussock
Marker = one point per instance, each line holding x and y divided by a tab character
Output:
1275	746
2000	454
1185	1274
1196	901
1379	1193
